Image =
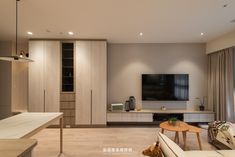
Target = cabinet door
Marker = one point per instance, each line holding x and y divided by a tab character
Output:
190	117
114	117
129	117
99	81
36	77
145	117
52	75
83	82
206	117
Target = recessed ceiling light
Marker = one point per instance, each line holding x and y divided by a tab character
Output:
201	34
30	33
70	33
141	34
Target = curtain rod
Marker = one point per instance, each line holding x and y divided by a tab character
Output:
220	50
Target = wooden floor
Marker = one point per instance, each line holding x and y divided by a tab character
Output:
100	142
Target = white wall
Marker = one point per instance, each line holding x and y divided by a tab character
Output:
5	80
225	41
19	94
20	83
126	63
13	81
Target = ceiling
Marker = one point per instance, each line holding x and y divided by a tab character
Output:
119	21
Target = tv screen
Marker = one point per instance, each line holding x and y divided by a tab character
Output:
165	87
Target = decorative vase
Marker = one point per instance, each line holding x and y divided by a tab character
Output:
127	106
132	102
201	108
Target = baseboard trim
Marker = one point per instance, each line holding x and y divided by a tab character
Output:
91	126
80	126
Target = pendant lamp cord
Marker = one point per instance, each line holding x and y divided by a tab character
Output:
16	46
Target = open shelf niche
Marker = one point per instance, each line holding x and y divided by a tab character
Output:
67	67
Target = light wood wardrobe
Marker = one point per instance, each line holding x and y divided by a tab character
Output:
90	79
91	87
44	76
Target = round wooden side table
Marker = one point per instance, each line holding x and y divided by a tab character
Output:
179	127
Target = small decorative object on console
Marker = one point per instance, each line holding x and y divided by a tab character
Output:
117	107
201	108
132	102
127	106
202	103
172	121
163	108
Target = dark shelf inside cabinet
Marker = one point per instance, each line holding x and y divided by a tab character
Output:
68	76
68	49
67	67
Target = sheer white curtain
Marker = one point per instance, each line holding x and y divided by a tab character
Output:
221	84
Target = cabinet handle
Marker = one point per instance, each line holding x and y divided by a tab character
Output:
91	106
44	101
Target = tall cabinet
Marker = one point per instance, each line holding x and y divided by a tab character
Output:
44	76
91	84
67	96
70	77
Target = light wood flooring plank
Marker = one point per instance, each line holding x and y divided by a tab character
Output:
90	142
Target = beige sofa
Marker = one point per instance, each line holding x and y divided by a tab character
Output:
171	149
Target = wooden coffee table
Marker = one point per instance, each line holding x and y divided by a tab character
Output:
180	127
196	130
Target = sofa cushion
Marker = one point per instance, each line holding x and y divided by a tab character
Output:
226	134
203	154
226	153
170	148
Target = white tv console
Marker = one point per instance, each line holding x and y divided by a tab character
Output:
147	115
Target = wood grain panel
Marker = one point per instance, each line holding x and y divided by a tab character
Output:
67	97
19	97
83	82
36	76
99	81
52	76
26	124
18	147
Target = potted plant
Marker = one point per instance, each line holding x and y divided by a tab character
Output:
202	103
172	121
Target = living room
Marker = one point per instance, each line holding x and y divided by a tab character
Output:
110	78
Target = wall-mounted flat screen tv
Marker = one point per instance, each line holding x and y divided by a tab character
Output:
165	87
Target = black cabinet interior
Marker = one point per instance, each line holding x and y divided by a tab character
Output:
159	117
67	67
